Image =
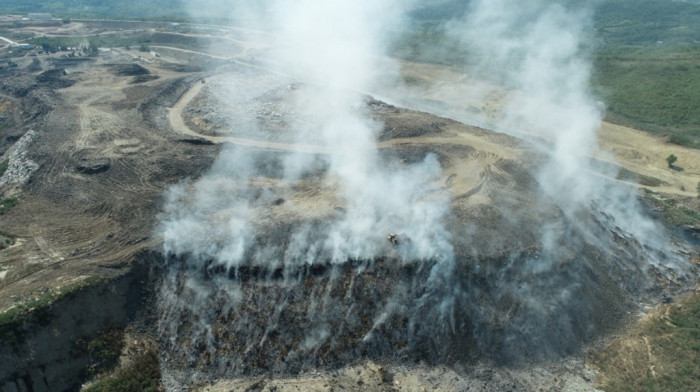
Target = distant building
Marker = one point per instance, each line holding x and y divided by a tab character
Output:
39	16
22	46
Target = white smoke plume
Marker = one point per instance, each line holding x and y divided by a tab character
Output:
540	51
332	49
537	53
326	55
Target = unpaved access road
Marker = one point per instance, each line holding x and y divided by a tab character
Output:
636	151
175	117
9	41
448	91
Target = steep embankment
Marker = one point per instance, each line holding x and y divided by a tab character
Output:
87	164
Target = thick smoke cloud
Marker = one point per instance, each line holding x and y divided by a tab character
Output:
332	49
325	54
536	55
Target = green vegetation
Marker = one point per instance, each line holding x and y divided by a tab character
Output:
103	350
652	89
6	204
663	355
6	239
630	176
34	311
674	212
647	22
647	66
141	374
671	159
123	9
3	166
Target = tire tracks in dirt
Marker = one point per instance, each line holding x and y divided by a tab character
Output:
178	124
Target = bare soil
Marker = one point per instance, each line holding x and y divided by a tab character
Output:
90	204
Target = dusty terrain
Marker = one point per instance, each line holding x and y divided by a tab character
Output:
99	170
93	142
87	179
447	90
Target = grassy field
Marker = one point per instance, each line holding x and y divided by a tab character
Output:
647	66
646	61
663	354
653	89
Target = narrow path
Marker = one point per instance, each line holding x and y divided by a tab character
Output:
462	138
632	149
9	41
178	124
650	357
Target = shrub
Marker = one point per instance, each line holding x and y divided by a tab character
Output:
6	204
671	159
141	375
3	167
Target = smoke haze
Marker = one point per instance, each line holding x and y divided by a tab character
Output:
333	207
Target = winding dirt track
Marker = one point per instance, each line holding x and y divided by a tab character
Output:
636	151
447	91
178	124
633	150
454	138
9	41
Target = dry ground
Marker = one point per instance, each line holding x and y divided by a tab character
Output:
108	145
450	92
100	170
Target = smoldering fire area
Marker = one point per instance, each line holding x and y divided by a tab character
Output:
335	228
330	195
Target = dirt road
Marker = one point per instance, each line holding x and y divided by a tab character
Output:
178	124
9	41
449	92
641	154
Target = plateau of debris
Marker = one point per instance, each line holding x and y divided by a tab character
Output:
519	280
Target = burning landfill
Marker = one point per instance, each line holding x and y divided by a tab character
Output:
348	232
